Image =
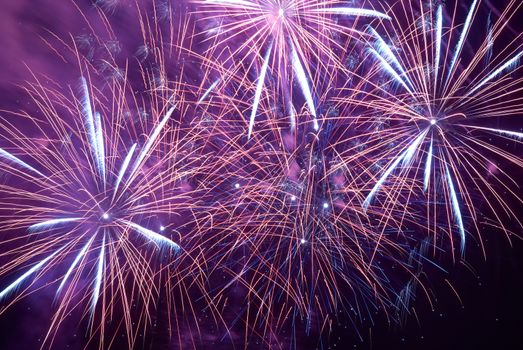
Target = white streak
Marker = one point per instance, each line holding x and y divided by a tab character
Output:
405	156
428	167
89	121
73	265
240	3
383	48
412	149
380	182
208	91
499	131
439	26
123	169
99	275
456	210
304	84
292	116
351	11
152	236
51	223
490	40
151	140
33	269
462	37
509	66
259	87
100	145
390	70
18	161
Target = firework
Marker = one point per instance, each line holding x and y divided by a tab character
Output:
440	107
288	230
290	40
97	185
256	165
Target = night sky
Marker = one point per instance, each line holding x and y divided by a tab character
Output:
487	314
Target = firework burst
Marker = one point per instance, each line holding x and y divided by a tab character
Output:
256	165
97	191
288	230
441	111
287	41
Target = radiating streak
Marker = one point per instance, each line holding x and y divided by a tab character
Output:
152	236
409	153
499	131
32	270
123	169
151	141
18	161
380	182
259	88
304	84
509	66
385	49
89	120
461	41
405	156
73	265
385	64
292	116
99	275
428	167
208	91
439	26
351	11
51	223
100	145
490	40
456	209
245	3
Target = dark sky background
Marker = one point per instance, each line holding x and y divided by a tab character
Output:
490	315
